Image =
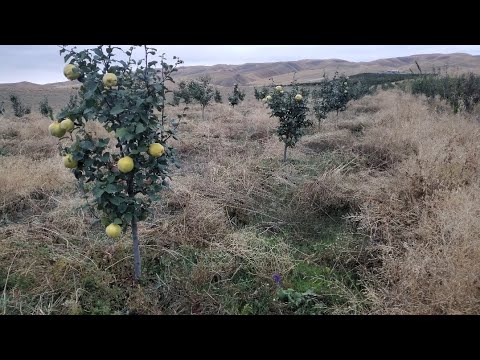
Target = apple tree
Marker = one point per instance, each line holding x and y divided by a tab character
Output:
217	97
45	109
201	91
18	108
127	168
330	95
260	94
290	107
181	93
237	96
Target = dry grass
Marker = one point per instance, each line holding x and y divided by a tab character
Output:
27	183
399	170
26	136
419	212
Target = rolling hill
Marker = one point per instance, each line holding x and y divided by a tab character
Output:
312	70
255	74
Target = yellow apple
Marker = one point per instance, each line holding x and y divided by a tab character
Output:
298	97
67	125
125	164
71	72
56	130
156	150
113	230
109	80
69	162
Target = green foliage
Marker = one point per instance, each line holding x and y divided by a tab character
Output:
260	93
301	303
372	79
18	108
461	92
200	91
127	111
45	109
331	95
292	115
72	103
2	108
358	89
387	86
134	113
217	97
236	97
181	94
359	85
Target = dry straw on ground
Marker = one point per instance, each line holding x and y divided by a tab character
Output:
403	170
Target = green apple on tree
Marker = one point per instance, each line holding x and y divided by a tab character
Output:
56	130
67	125
69	162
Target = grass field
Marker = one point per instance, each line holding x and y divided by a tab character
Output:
378	215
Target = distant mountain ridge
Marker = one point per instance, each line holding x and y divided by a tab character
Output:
312	69
305	70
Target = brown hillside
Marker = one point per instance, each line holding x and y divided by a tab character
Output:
255	74
311	70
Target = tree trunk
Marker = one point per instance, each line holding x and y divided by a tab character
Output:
285	153
203	113
136	249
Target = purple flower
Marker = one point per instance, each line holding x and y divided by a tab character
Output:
277	278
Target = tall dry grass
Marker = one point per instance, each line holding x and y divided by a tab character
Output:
404	170
420	208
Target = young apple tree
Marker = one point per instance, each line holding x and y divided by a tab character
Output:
201	91
260	94
330	95
217	97
290	107
236	97
129	167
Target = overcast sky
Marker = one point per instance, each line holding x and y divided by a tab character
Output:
42	64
